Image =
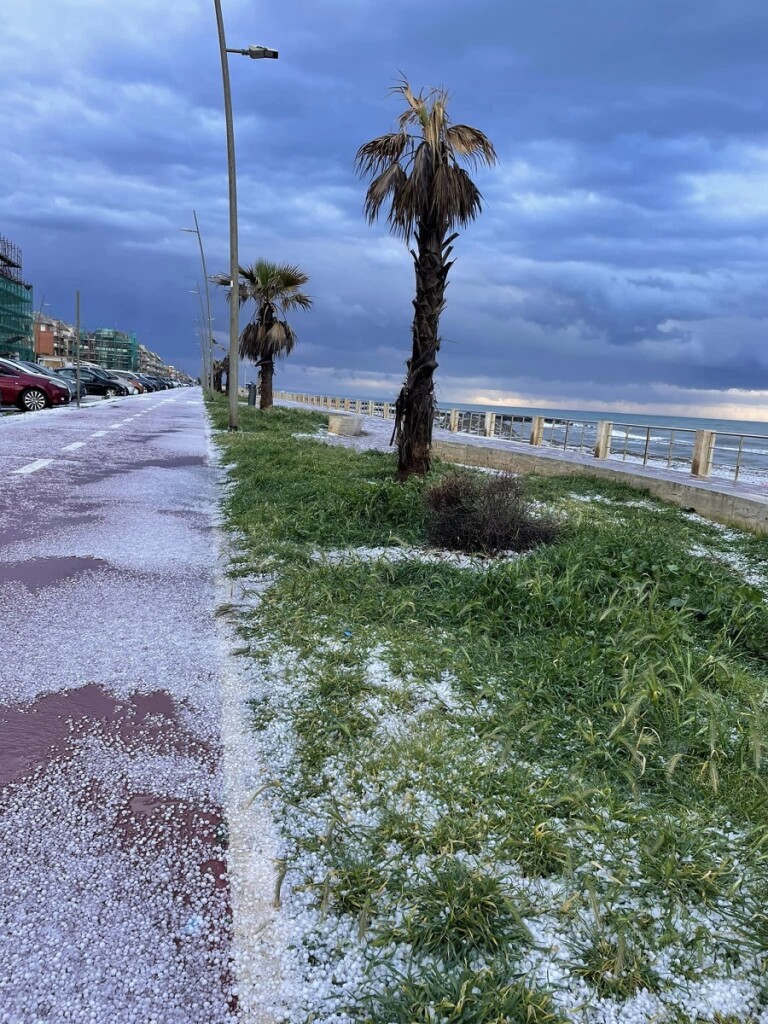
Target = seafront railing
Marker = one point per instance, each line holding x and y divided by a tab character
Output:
701	453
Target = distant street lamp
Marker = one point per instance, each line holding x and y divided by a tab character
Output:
208	382
207	350
255	53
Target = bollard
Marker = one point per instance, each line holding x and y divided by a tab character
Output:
703	452
537	430
603	439
252	392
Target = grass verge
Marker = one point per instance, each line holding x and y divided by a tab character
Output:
532	790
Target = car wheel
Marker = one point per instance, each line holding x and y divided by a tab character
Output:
110	393
33	400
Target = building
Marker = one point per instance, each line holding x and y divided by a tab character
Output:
150	362
16	334
54	341
113	349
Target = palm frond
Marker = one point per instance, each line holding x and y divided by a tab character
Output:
388	183
297	301
472	144
375	156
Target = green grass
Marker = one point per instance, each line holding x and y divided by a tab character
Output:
571	744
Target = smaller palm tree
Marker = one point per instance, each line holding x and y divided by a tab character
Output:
275	290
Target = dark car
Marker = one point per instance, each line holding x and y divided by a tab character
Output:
53	375
29	391
148	384
96	383
159	383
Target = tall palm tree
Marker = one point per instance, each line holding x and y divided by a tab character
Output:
275	290
416	170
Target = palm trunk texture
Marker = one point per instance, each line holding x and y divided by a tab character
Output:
265	391
415	406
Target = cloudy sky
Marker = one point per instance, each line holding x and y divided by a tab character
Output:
620	261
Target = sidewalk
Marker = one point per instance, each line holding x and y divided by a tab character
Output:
114	903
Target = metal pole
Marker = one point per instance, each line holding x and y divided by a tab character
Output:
209	382
77	346
203	338
234	295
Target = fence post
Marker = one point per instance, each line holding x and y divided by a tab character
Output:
370	407
453	423
490	420
603	439
537	429
346	405
385	410
703	452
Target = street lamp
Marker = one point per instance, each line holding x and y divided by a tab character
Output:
208	382
254	52
207	350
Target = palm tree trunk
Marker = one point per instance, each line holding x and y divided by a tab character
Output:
267	373
415	407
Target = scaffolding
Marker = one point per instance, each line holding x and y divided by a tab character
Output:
16	323
114	350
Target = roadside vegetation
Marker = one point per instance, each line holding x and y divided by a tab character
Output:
530	789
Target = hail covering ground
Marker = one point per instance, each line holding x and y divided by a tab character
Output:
114	902
325	962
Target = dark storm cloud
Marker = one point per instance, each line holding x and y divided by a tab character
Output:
624	232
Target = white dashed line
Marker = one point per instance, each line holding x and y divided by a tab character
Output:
114	426
99	433
32	467
73	446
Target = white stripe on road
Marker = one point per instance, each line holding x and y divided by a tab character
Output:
99	433
74	446
32	467
114	426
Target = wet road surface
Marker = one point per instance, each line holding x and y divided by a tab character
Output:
113	893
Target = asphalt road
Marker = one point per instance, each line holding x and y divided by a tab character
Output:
113	894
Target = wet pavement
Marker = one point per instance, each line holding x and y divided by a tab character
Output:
114	902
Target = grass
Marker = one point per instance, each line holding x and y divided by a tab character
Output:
511	791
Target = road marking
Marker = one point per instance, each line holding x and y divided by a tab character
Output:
32	467
114	426
72	447
99	433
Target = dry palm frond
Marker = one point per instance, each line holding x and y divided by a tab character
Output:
418	172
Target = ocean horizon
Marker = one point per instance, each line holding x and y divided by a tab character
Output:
721	425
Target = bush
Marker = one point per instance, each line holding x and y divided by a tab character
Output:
483	514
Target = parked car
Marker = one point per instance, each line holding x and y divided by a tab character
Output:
54	375
132	378
96	383
131	385
148	384
160	384
30	391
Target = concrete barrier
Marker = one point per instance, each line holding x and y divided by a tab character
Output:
344	423
749	512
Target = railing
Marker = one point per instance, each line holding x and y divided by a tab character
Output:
702	453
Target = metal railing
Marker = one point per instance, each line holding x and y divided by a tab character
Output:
702	453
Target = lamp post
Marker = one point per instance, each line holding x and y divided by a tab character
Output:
208	380
256	53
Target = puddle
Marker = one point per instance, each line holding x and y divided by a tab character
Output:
30	735
38	573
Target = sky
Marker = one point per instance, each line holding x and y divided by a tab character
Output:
620	258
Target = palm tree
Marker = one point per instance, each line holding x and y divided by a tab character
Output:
274	288
417	171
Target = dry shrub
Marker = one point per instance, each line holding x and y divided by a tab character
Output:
483	514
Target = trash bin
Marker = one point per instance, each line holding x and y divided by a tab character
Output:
252	392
